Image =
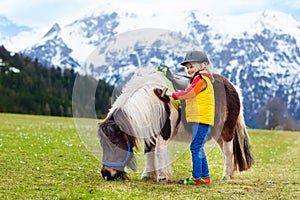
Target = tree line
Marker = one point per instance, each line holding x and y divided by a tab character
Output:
28	87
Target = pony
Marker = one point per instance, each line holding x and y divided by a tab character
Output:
139	115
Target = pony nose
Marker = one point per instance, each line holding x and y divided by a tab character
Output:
108	173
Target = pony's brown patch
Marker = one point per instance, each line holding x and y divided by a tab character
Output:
227	106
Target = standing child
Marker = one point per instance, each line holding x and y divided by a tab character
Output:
200	110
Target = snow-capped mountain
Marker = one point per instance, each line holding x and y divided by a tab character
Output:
259	52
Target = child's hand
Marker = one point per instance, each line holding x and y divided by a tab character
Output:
168	93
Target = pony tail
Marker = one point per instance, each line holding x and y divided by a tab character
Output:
243	158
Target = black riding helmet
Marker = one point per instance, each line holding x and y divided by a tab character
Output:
195	56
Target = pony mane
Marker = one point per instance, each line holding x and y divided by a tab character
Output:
136	109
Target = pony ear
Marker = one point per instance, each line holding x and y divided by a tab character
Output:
110	130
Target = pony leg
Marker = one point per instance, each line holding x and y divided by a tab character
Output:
227	148
149	170
162	163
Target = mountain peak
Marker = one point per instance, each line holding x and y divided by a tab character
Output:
278	21
54	30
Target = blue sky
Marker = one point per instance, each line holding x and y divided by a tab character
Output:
8	28
19	16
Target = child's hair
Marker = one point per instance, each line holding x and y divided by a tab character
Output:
201	66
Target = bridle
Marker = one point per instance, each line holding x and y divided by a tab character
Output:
118	164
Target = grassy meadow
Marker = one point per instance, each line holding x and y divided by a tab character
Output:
44	158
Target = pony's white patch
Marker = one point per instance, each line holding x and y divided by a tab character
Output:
147	115
141	105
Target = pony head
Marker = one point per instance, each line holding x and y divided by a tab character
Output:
117	149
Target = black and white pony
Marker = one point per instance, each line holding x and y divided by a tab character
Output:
139	115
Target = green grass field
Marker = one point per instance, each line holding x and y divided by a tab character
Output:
44	158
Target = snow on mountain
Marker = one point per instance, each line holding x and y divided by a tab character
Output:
252	23
259	52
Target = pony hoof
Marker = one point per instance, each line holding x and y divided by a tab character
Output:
226	177
162	180
146	177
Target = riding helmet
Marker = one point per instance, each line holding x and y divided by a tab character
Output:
195	56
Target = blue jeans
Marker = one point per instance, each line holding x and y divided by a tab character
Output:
200	166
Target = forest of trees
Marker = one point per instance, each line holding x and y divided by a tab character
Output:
28	87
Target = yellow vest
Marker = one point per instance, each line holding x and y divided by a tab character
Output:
201	109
